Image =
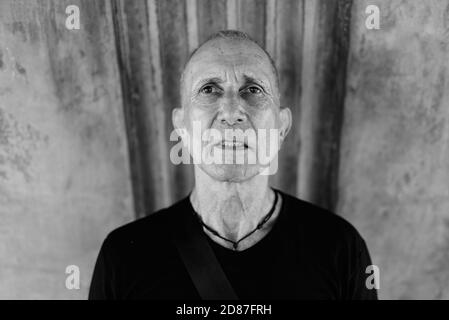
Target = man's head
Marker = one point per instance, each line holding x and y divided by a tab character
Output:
230	82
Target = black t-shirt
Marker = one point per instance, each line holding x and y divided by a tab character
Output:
310	253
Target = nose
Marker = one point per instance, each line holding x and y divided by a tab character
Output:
231	113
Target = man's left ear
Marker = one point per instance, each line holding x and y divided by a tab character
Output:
285	117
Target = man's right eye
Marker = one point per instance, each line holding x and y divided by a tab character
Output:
209	89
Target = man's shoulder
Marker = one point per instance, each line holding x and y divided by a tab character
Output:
154	228
319	221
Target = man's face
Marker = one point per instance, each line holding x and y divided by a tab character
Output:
230	85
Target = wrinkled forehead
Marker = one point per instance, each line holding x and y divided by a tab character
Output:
223	57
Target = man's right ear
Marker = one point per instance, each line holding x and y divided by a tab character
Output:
177	118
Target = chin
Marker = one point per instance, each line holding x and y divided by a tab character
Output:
230	172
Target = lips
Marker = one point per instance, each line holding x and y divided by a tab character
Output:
226	144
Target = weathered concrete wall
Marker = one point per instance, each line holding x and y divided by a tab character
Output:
394	168
64	173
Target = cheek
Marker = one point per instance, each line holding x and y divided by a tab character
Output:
205	101
264	119
258	102
262	110
198	116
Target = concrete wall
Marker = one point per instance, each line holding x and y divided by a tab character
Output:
64	173
394	167
369	139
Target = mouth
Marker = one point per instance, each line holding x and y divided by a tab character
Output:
226	144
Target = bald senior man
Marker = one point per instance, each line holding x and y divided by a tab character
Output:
233	237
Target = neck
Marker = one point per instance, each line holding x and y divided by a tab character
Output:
231	208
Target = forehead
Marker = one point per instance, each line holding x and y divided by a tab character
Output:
222	58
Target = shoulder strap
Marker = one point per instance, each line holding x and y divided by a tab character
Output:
287	280
200	261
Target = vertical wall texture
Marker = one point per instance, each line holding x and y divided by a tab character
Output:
64	173
326	41
394	166
155	38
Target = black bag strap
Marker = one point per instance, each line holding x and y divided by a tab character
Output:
200	261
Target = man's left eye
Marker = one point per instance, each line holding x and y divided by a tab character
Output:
253	90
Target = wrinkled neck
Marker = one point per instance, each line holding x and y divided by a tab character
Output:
231	208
